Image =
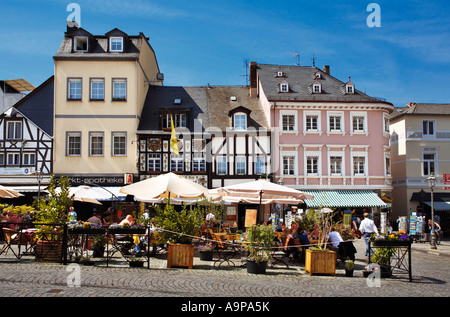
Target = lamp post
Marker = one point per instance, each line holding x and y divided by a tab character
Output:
432	183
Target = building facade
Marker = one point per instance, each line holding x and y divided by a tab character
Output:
420	147
101	83
329	138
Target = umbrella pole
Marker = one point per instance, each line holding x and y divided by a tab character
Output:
260	204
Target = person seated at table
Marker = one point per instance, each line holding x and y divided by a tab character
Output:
128	219
335	238
95	219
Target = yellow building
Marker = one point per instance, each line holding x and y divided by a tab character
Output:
101	83
420	146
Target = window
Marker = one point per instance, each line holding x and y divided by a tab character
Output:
74	89
288	122
29	159
97	89
387	165
14	130
221	165
288	165
81	44
116	44
312	165
335	165
260	165
359	163
96	143
334	122
2	159
311	123
119	90
317	88
13	159
241	165
428	127
73	144
119	143
199	162
179	120
386	124
349	89
176	162
429	163
154	162
284	86
358	124
240	121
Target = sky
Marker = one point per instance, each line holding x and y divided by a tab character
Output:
404	59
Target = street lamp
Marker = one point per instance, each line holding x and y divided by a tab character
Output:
432	183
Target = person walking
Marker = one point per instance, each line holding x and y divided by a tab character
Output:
367	228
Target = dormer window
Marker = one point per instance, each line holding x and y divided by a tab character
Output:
116	44
317	88
284	86
177	101
349	87
318	75
80	44
240	121
279	73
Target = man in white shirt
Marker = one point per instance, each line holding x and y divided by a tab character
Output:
367	228
335	238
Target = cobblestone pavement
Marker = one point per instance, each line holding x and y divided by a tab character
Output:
26	278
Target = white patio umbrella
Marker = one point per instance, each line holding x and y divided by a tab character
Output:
86	194
261	192
8	192
166	186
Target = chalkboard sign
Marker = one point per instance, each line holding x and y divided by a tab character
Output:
250	217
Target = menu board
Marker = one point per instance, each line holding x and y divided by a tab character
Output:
250	217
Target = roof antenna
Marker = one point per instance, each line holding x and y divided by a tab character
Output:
314	60
297	55
246	72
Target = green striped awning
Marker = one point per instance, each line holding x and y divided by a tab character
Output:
343	198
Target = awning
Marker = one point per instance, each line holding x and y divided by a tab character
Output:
343	198
439	205
20	85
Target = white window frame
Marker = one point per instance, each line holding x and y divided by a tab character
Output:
434	161
260	165
240	165
433	125
221	161
199	162
319	90
362	115
114	147
335	114
386	125
14	130
349	89
120	91
387	165
97	89
316	114
289	154
284	86
113	38
312	161
341	155
177	162
73	96
29	159
154	162
13	159
359	155
293	113
71	150
93	142
242	121
75	39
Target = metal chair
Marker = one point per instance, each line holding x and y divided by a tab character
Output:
224	250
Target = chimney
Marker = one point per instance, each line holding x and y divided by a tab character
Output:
253	81
326	69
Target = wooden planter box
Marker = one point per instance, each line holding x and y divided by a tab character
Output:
48	251
180	255
320	262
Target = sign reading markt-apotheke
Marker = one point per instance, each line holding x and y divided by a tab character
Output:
97	180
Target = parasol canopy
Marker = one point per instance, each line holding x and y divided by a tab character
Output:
8	192
86	194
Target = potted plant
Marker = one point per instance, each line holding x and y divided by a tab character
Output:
50	218
205	252
319	259
98	243
177	228
349	267
136	262
259	246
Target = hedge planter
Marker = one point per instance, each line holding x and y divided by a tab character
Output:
391	243
254	267
206	255
126	231
180	255
86	231
320	262
48	251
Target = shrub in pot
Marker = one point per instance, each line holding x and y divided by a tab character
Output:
349	267
259	246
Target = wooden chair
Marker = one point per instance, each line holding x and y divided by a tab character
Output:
224	251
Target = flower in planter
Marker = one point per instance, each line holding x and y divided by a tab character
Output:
204	248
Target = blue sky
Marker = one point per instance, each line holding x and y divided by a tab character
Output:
197	42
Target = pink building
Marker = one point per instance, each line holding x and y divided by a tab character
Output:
329	139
